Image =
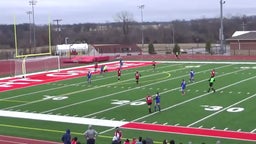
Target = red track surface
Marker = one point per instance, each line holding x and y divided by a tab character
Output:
18	140
192	131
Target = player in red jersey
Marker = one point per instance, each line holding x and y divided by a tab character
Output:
137	77
95	66
118	73
149	100
213	73
154	65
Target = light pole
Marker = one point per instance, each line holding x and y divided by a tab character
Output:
29	18
141	7
221	26
32	3
58	29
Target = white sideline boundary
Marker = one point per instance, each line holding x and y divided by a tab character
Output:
64	119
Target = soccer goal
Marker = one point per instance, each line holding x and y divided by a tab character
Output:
29	65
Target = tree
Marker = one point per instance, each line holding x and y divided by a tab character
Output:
176	49
125	18
208	47
151	49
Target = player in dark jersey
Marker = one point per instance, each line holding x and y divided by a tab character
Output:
154	65
137	77
118	73
211	81
149	100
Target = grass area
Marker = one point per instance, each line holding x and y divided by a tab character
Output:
232	107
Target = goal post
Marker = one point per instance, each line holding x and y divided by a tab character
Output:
17	55
34	62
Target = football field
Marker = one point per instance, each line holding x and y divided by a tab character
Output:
46	107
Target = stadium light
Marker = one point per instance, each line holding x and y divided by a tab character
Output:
29	18
141	7
58	29
221	36
32	3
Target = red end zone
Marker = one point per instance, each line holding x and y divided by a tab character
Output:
47	77
192	131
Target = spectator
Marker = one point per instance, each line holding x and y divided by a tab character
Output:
149	141
118	134
144	142
66	138
90	135
115	140
134	141
74	140
172	142
165	141
127	141
139	141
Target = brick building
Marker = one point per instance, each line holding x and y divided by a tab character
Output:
243	43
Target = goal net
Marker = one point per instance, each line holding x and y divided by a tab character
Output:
29	65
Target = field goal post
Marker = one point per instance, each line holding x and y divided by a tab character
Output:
35	62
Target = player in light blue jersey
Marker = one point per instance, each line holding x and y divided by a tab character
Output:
183	87
157	102
192	75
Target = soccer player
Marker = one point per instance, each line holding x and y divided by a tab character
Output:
183	87
95	66
211	81
89	77
149	102
154	65
213	73
119	73
121	63
157	102
137	77
192	75
102	69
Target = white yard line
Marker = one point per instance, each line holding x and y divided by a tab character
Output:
55	88
100	97
178	104
200	96
224	109
253	131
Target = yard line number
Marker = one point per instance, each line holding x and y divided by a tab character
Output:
218	108
125	102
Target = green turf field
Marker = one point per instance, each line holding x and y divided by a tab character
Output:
232	107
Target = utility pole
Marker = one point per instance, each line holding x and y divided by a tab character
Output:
221	27
33	3
29	19
58	29
141	7
243	26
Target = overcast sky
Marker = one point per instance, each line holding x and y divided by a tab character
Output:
101	11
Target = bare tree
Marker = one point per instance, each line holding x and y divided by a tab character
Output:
125	18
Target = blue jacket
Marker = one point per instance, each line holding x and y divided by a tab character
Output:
66	138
